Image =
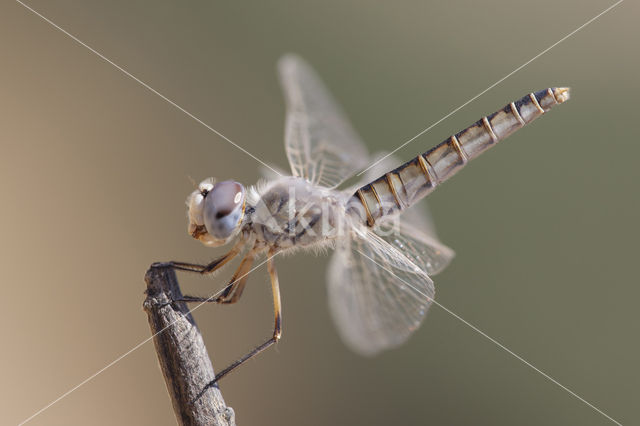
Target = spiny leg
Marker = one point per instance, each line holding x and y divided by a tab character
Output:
232	291
208	268
277	329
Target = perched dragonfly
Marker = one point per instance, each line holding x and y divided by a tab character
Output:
379	276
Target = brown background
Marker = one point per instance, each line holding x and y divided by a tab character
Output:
94	171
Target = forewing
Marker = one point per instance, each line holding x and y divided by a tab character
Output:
320	143
378	297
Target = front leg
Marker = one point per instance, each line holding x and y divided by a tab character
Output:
232	291
204	269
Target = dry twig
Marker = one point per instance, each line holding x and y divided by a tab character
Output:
183	357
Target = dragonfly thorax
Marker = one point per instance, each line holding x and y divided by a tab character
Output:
292	212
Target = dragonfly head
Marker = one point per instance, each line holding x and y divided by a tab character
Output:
216	211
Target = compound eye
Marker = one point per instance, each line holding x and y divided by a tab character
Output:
223	209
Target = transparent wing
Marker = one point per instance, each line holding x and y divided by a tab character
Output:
419	217
378	297
423	249
320	143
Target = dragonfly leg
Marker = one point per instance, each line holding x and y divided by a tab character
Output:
277	329
209	267
232	291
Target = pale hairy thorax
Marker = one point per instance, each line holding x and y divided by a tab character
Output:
282	214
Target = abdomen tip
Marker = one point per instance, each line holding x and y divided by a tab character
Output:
561	94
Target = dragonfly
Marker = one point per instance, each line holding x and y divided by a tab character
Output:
379	285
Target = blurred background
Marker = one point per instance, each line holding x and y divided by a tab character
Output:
95	169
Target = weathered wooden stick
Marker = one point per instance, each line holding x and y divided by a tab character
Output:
183	357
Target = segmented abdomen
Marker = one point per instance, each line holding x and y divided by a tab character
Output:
407	184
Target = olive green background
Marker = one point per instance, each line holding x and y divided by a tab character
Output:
94	171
